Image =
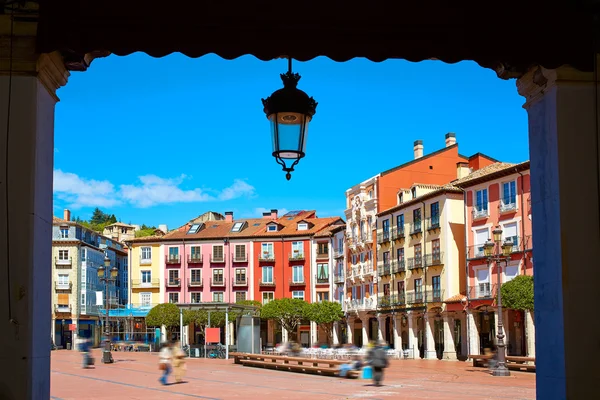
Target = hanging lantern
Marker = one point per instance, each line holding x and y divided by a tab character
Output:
289	111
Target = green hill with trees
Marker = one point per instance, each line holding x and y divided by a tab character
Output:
100	220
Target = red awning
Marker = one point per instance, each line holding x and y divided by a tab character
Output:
516	35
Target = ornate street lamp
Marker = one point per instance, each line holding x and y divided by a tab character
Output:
289	110
114	271
488	249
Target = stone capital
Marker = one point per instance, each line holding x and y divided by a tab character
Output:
51	72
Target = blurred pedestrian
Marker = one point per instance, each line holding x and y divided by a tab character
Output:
165	357
178	362
377	359
84	347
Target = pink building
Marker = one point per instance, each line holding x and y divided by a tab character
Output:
497	196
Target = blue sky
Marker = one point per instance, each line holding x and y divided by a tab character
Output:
163	140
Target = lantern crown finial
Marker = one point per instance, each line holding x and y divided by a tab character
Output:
290	79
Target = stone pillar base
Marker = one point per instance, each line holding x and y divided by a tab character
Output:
449	356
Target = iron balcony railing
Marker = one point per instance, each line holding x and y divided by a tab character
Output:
393	300
63	262
139	283
338	277
266	257
478	213
398	233
195	282
294	282
323	254
384	268
415	262
297	256
338	253
270	283
415	297
239	281
360	304
474	252
415	227
435	295
321	279
217	258
171	259
435	258
482	291
240	257
367	267
175	282
383	237
63	286
398	266
433	222
194	259
507	207
220	282
368	237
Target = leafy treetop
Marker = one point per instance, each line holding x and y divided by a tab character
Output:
288	312
324	314
166	314
517	293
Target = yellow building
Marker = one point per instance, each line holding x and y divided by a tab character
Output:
146	270
420	263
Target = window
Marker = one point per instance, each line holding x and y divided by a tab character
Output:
322	273
322	296
322	248
267	274
417	220
400	222
63	254
196	275
272	228
240	276
481	202
298	294
63	279
146	253
418	289
483	283
509	193
435	251
196	297
218	275
173	253
386	259
64	232
363	232
370	195
145	298
340	244
510	272
481	236
267	297
193	229
237	227
146	276
217	253
83	299
173	277
302	226
436	287
510	232
362	257
414	192
400	198
240	252
298	249
400	254
369	222
195	253
435	209
218	297
353	258
267	251
298	274
173	297
83	254
240	296
386	228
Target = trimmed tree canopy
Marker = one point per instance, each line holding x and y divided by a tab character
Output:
518	293
288	312
165	314
324	314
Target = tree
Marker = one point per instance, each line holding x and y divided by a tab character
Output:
517	294
168	315
98	217
112	219
288	312
324	314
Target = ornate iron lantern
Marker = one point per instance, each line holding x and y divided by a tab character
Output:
289	111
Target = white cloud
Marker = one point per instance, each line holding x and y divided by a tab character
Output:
151	190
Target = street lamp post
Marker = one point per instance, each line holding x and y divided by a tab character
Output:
497	258
112	278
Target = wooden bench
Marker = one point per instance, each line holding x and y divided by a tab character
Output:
480	360
512	362
294	364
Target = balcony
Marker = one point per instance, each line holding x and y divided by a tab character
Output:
482	291
217	259
63	263
394	300
239	258
195	282
367	267
322	255
145	261
384	268
270	283
351	241
475	252
383	237
360	304
433	259
479	213
398	266
398	233
435	296
507	207
338	253
415	297
219	282
338	278
139	283
368	237
415	262
416	228
175	282
294	283
62	308
68	286
321	280
433	222
239	282
194	259
297	256
172	260
266	257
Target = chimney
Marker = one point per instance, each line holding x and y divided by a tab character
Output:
67	215
418	147
273	213
462	169
229	216
450	139
266	215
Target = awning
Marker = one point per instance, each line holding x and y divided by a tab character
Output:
514	35
132	312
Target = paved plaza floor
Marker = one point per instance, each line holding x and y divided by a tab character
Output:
135	376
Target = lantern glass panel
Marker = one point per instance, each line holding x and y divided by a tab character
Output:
113	272
100	272
497	235
488	248
507	248
288	132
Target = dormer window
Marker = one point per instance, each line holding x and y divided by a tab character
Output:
400	198
272	228
414	192
302	226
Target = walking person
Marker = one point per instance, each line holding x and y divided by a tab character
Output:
85	348
178	362
165	357
377	359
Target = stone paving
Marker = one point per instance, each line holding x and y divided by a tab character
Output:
135	376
